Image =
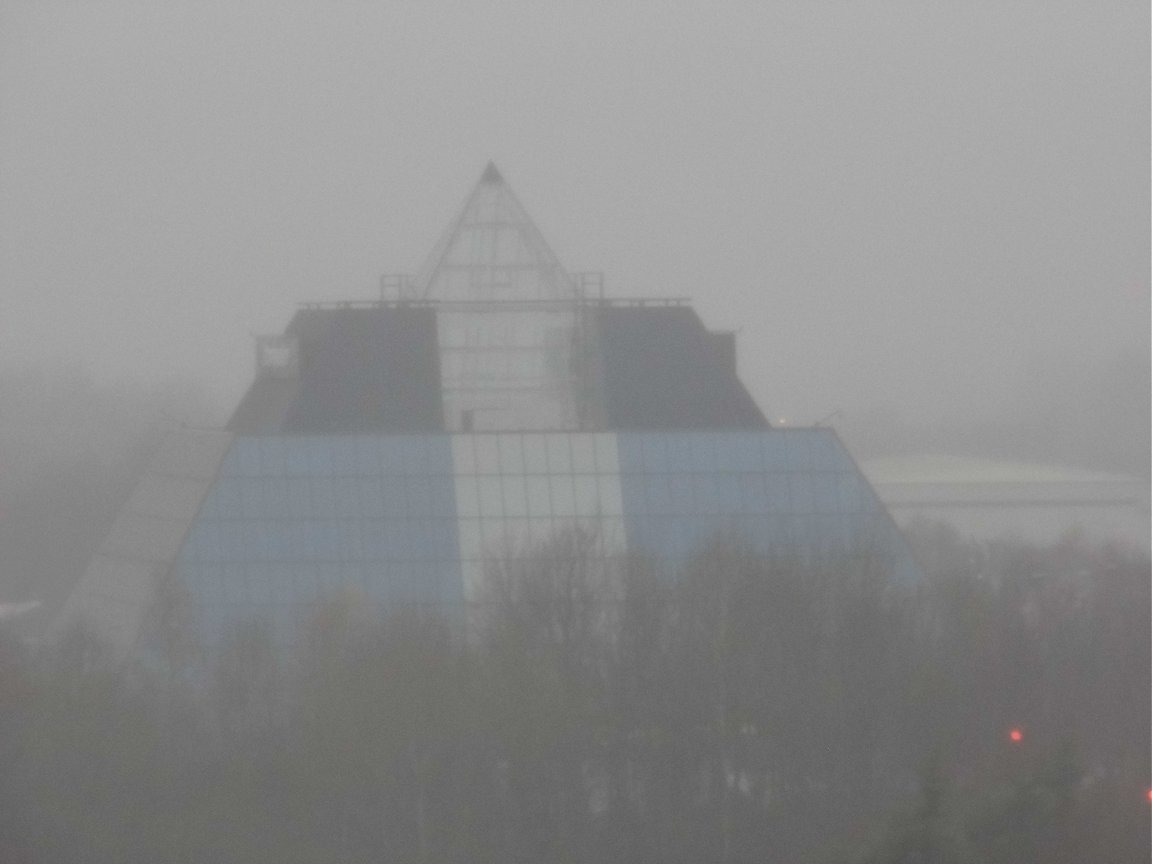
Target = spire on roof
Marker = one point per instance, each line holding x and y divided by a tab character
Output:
492	251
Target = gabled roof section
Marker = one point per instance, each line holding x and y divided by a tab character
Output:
493	251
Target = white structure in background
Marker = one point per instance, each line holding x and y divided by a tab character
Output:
985	499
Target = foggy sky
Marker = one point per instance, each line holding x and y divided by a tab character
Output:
901	203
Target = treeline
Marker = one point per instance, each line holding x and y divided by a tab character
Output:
743	709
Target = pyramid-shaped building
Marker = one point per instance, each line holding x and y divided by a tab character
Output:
400	448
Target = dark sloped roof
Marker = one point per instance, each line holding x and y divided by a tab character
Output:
377	369
664	370
360	370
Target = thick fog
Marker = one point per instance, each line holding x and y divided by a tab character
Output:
924	217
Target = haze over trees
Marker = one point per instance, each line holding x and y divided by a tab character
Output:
741	709
73	450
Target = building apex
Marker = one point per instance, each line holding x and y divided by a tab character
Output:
491	174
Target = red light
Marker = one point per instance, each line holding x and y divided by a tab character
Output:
1016	735
1150	795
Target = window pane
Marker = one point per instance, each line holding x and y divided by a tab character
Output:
824	492
464	454
730	493
371	503
467	497
515	497
491	497
419	497
487	454
535	454
586	493
655	454
443	489
611	503
583	454
680	494
538	489
706	494
347	491
657	497
251	500
801	485
703	448
607	455
559	454
511	454
563	496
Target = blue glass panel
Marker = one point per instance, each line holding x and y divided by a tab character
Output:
655	453
777	493
367	456
702	456
260	588
394	497
801	492
414	451
392	457
679	451
825	497
345	453
785	528
275	497
442	488
318	452
630	452
295	457
705	494
347	493
232	580
752	492
327	541
305	580
324	497
774	451
799	457
659	497
348	543
252	499
680	494
848	493
419	497
822	450
271	456
281	541
737	451
728	488
371	499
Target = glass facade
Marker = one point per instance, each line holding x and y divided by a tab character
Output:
783	492
293	521
509	322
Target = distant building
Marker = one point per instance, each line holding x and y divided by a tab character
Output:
986	499
399	448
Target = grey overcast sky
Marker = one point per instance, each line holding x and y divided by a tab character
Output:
912	204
